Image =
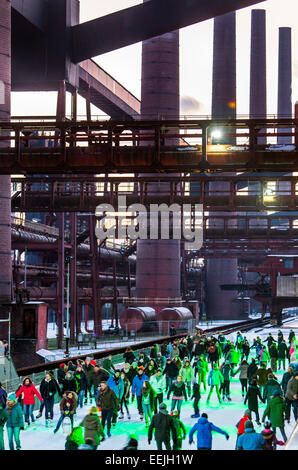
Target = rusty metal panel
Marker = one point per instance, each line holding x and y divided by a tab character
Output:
287	286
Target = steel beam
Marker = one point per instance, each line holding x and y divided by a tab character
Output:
33	11
108	146
141	22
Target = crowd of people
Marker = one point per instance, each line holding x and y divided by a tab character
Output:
176	371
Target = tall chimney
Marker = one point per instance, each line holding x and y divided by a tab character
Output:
221	271
258	89
284	104
224	67
158	261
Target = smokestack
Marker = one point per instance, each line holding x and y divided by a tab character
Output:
258	89
158	261
221	271
160	77
224	67
284	104
5	193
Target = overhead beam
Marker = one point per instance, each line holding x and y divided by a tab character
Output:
145	21
34	11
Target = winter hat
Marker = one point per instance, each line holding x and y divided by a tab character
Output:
276	393
248	424
247	412
62	365
163	408
12	397
94	363
133	442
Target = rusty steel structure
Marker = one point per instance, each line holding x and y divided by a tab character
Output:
256	196
116	146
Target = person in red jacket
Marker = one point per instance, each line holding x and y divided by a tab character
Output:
241	424
28	390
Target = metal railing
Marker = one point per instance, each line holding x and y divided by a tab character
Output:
13	384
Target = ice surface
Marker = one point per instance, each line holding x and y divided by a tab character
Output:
225	417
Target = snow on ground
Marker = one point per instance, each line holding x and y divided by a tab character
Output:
53	355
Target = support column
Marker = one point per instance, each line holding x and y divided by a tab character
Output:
74	322
115	295
5	192
94	249
60	300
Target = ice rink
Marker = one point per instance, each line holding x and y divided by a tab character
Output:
225	416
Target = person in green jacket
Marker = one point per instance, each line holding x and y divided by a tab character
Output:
3	419
15	421
277	412
202	367
180	429
232	356
215	379
93	427
270	387
187	374
108	364
74	439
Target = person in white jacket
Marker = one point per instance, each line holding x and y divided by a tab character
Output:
158	383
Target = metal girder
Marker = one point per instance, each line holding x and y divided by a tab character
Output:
34	11
118	146
72	193
106	93
102	159
141	22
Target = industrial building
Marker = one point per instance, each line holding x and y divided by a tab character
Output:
56	171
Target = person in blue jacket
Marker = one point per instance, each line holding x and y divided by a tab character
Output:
117	385
204	429
137	385
250	440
